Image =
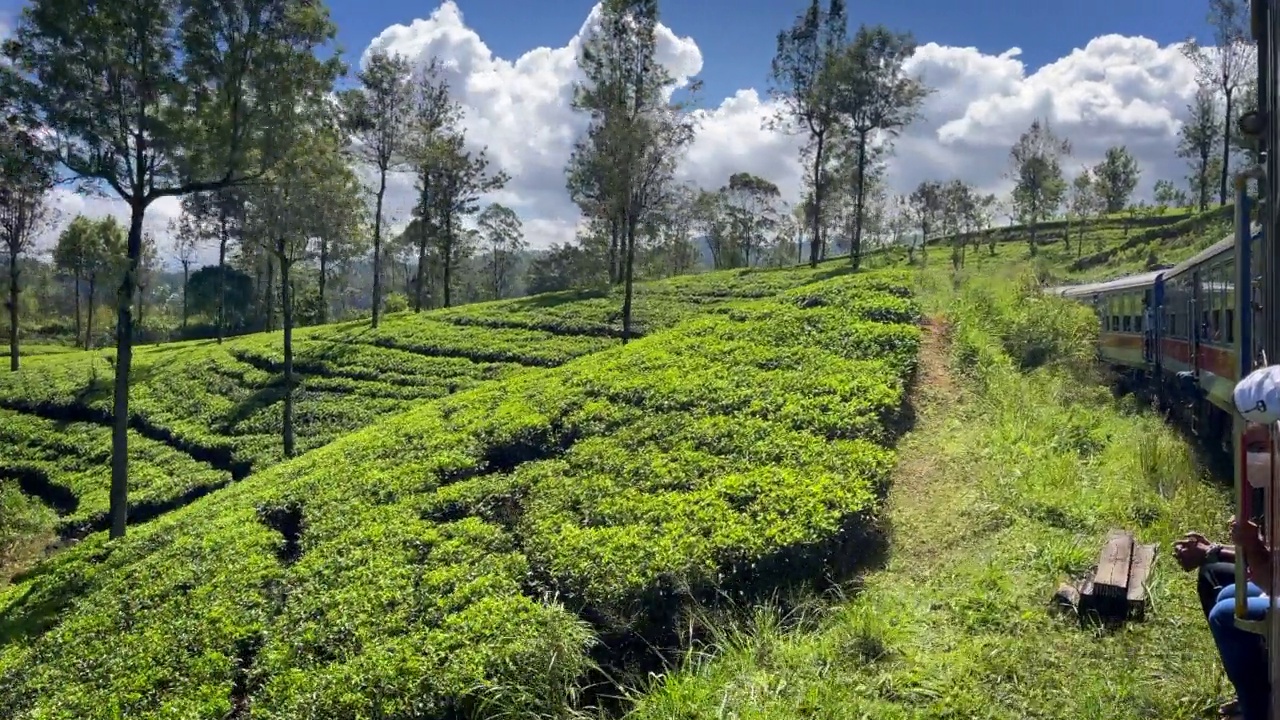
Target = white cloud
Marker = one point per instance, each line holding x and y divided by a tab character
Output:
1115	90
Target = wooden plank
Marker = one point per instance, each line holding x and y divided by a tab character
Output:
1112	578
1144	558
1086	592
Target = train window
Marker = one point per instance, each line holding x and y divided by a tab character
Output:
1115	323
1128	323
1229	300
1215	326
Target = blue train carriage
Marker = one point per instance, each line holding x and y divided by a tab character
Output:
1123	338
1173	331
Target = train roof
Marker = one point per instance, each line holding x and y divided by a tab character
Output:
1124	283
1224	245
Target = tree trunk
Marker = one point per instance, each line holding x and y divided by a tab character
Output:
324	278
286	302
627	271
1226	150
1204	177
815	241
270	298
615	271
186	279
88	327
419	293
855	250
497	276
222	276
76	282
448	255
124	362
13	310
377	248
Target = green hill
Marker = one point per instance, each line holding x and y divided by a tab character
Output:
469	552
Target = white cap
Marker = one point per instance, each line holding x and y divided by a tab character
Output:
1257	396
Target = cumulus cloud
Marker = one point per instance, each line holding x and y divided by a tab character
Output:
1114	90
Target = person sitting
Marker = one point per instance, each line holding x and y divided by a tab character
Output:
1243	653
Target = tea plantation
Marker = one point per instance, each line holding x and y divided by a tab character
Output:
220	405
495	499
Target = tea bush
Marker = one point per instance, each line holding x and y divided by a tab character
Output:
440	563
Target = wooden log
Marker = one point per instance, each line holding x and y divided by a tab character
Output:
1112	578
1144	558
1066	598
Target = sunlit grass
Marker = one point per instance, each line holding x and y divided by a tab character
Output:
1006	488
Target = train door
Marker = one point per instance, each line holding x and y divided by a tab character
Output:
1194	325
1157	329
1148	327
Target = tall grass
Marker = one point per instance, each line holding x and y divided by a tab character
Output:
1007	488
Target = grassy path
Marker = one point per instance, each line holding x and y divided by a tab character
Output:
1007	484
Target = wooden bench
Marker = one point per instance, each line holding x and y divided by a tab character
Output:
1114	590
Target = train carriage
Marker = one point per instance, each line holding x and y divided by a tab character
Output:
1173	332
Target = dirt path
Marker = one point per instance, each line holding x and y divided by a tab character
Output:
916	493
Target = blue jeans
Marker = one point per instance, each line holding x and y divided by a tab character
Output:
1244	656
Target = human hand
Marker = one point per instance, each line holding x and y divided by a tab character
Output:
1246	534
1191	551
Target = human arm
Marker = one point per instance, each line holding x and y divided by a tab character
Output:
1194	550
1257	556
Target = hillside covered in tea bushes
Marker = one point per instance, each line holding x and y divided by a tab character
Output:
218	408
495	501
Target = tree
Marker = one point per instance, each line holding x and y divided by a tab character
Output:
341	218
802	74
378	115
216	216
1168	195
287	210
26	177
876	96
221	291
1116	177
147	264
1037	174
1227	68
460	178
434	119
1083	201
1196	140
751	203
193	109
186	243
635	135
89	250
678	221
984	217
501	230
925	203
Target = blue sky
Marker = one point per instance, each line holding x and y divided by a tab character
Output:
737	36
1123	91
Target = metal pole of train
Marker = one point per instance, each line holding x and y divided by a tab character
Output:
1243	281
1265	32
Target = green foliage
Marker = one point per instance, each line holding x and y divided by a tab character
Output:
395	302
1007	488
408	569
